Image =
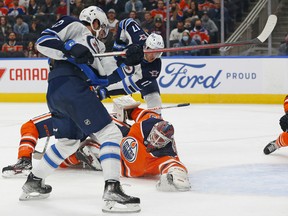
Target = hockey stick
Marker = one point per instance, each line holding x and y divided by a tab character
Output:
38	155
269	26
168	107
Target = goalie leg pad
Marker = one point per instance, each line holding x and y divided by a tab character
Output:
175	180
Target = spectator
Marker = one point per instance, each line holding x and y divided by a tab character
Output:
192	12
215	15
117	5
185	5
49	8
176	34
186	40
112	21
133	15
31	51
36	26
20	27
159	27
207	5
200	35
159	11
149	5
3	9
210	26
148	22
5	28
15	9
76	8
283	49
188	24
12	45
133	5
61	9
33	8
176	13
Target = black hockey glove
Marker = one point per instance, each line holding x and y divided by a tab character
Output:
101	92
284	122
134	55
81	53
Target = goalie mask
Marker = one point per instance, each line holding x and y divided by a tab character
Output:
92	13
161	134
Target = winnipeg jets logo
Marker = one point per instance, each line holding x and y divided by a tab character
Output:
154	73
129	149
128	69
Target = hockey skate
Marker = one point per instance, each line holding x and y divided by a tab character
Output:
116	201
34	189
84	155
271	147
21	169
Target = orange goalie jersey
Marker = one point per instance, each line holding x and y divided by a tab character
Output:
135	159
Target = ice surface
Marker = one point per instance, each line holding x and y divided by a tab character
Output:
221	145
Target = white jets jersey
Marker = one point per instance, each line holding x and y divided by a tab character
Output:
67	28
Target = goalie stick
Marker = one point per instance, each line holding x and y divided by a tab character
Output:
167	107
269	26
38	155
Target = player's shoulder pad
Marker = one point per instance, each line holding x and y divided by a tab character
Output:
64	21
126	22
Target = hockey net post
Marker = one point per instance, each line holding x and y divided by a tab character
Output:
261	38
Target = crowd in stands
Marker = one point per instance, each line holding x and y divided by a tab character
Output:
191	22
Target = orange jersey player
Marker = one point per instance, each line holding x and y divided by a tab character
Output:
149	148
40	127
282	139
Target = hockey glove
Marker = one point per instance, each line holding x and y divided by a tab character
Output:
284	122
119	45
134	55
101	92
80	52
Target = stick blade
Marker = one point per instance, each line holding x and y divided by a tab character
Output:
270	25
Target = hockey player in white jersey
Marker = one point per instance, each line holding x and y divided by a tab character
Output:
130	79
75	109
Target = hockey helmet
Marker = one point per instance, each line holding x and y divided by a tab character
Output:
92	13
154	41
161	134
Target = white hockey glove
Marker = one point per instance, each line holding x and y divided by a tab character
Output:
175	180
121	104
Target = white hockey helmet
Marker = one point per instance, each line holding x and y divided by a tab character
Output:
154	41
92	13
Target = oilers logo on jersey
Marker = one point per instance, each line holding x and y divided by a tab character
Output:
129	149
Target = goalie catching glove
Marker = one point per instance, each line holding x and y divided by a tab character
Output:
122	106
176	179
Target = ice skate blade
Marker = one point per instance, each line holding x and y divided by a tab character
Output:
13	174
33	196
114	207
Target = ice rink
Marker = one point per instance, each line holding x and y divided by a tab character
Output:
221	145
